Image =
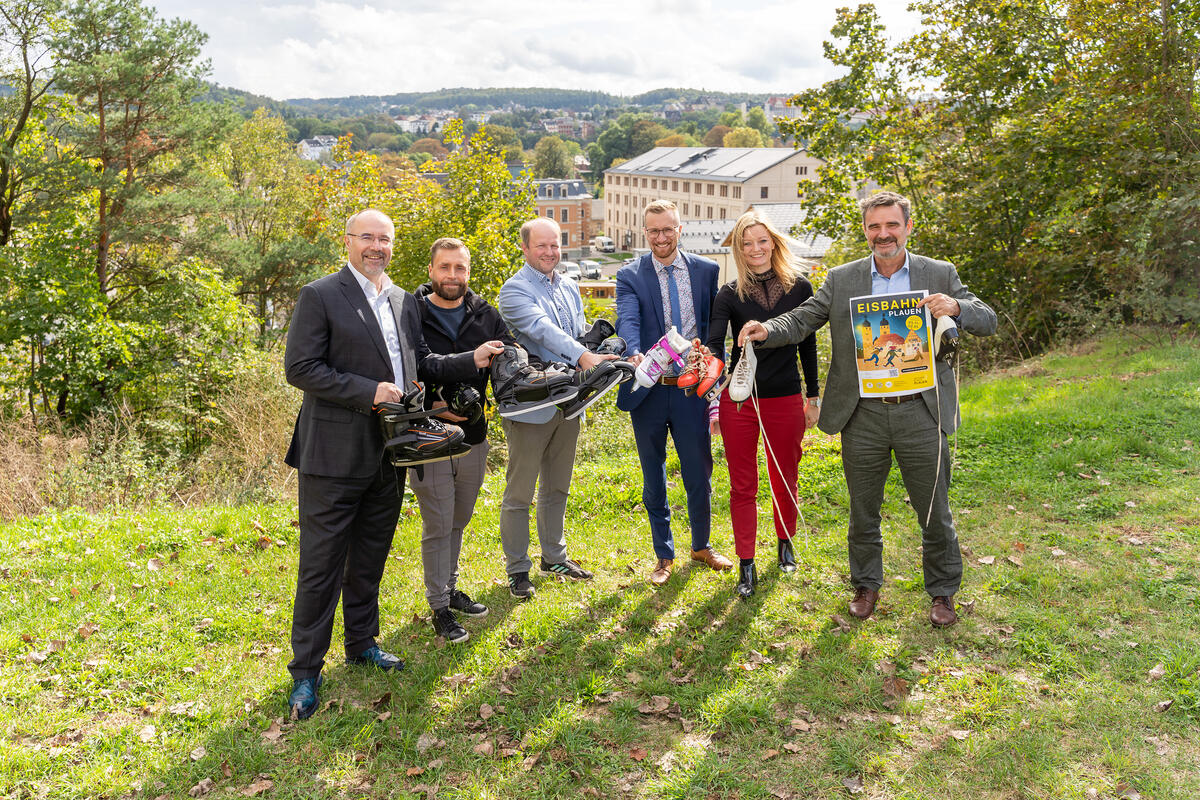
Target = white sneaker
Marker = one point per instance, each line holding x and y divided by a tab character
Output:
742	382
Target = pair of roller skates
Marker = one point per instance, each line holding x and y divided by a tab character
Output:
521	388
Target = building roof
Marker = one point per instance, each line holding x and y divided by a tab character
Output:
733	164
550	189
789	219
705	236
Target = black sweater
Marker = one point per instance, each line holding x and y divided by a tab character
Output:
482	323
777	375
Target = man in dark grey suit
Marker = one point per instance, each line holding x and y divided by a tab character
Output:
354	341
873	428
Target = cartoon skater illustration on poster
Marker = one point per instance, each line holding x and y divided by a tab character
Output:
892	336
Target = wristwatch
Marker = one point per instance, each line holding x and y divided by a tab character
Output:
815	402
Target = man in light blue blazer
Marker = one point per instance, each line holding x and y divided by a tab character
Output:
914	427
669	287
545	313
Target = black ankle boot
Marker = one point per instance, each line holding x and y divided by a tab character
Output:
787	559
747	578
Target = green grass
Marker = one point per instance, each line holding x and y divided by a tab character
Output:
142	653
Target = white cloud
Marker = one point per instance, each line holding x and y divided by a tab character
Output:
335	48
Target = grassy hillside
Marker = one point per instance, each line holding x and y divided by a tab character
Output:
144	654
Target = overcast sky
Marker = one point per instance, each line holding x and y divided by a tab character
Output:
328	48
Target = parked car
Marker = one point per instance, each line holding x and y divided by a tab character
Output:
590	269
604	244
569	269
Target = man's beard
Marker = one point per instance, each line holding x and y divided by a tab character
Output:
454	293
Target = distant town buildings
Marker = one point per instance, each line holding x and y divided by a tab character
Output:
316	148
707	183
568	203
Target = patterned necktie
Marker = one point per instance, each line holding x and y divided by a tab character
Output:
673	294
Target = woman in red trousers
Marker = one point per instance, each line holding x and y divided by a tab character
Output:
768	283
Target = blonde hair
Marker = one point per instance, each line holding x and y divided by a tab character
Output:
785	267
660	207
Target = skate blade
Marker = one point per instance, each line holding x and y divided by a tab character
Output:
538	405
576	412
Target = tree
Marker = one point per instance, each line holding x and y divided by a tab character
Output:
1051	148
431	146
757	118
716	136
551	159
742	137
677	140
134	77
643	134
268	257
25	30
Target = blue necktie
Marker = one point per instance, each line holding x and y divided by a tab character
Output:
673	294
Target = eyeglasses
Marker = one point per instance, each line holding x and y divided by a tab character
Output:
656	232
366	238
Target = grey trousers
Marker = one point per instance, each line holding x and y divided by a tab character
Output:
541	455
446	493
872	434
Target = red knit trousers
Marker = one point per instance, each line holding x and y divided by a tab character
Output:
783	421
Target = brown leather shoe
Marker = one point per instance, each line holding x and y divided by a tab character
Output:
863	604
712	558
663	571
942	613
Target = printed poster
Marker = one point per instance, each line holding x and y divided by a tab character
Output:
893	338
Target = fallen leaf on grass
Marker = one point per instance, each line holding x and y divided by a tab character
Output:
426	741
202	788
484	748
799	726
853	785
273	732
1126	792
429	791
961	736
1157	672
1131	504
657	705
987	560
633	677
147	733
199	753
637	753
56	646
1163	706
528	762
1014	560
841	623
384	700
1058	552
226	769
486	711
87	629
413	772
457	679
895	687
258	787
154	564
792	747
769	754
383	716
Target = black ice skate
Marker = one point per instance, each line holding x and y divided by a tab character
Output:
602	340
593	384
521	388
412	437
462	400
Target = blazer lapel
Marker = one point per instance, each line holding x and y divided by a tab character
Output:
408	348
918	277
653	292
358	301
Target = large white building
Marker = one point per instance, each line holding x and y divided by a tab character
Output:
707	183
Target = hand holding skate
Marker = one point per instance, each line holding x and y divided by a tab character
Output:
671	347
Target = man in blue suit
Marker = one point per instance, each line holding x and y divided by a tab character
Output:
668	287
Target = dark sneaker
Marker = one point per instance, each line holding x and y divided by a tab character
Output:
461	602
520	587
567	569
304	699
447	627
380	659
